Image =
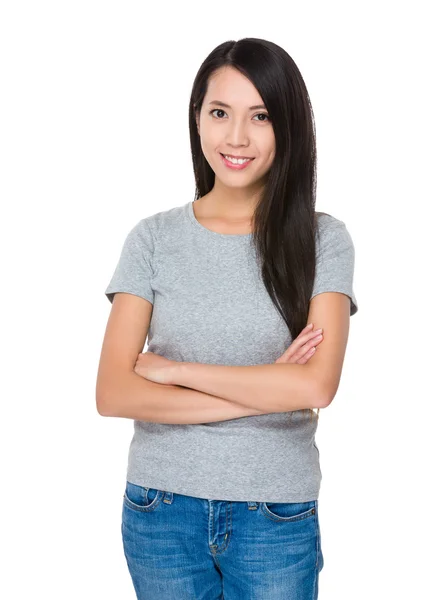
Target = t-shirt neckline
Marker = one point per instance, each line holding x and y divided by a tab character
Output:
215	234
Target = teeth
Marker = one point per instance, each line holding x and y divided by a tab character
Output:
236	161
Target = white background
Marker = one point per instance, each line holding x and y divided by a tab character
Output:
94	136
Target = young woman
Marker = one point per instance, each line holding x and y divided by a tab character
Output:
233	290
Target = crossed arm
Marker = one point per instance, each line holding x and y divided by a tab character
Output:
269	388
282	387
224	392
135	397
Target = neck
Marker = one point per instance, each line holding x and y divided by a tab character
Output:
230	203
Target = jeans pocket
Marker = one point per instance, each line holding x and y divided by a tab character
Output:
141	498
288	511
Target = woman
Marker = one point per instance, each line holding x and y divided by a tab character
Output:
221	494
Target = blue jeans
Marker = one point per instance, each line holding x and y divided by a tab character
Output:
185	548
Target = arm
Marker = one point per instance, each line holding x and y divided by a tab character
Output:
278	387
120	392
282	387
137	398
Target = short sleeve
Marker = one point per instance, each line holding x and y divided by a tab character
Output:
335	256
134	270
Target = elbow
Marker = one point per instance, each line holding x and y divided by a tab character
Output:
327	394
102	409
321	392
317	387
103	406
107	393
325	402
320	397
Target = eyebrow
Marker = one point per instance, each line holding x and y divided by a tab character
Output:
227	105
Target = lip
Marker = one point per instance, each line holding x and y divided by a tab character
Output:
235	167
235	156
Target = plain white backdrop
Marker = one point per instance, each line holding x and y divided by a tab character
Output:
93	137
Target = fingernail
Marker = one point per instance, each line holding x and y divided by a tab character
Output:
310	325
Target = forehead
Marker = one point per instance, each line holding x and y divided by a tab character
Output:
232	87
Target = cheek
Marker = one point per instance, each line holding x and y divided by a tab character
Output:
268	147
271	153
208	154
208	142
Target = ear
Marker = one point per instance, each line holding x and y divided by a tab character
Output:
197	120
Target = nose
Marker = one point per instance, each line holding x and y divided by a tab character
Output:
237	135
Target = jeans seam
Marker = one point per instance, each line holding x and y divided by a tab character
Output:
316	573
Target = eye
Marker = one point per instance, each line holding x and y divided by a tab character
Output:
258	115
216	109
263	115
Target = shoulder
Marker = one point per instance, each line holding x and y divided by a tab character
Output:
325	221
162	221
330	229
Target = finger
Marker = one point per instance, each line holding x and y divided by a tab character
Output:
301	356
302	360
298	350
301	344
304	337
297	343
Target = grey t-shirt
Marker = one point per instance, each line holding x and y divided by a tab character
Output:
210	306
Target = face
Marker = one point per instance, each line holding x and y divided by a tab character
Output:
236	130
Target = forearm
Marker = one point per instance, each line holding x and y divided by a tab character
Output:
134	397
277	387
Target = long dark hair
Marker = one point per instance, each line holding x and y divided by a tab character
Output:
284	221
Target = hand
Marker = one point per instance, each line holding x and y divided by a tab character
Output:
302	348
155	368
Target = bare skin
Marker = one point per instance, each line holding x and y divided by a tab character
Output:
208	217
162	370
241	126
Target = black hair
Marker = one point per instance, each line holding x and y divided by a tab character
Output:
284	220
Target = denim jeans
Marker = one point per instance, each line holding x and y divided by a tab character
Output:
186	548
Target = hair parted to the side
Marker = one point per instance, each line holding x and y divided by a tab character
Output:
284	222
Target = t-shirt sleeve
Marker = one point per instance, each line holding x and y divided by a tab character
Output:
335	256
134	270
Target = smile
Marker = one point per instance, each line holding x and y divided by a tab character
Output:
236	164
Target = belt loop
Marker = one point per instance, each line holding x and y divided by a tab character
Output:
168	497
252	505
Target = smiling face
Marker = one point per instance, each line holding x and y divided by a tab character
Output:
227	125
